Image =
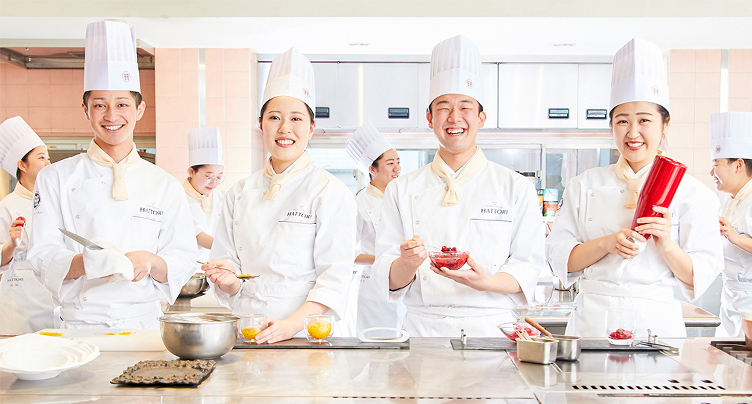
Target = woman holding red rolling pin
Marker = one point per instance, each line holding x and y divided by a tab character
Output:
25	304
593	234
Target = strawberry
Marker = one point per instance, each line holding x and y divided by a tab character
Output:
454	249
23	220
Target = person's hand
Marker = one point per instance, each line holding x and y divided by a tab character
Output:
728	231
476	277
623	243
278	330
16	230
141	264
220	272
658	227
413	252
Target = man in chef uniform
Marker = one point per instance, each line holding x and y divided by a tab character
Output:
205	173
134	210
377	160
731	150
459	200
25	304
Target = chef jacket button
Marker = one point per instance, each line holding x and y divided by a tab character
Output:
593	194
590	219
425	277
73	190
78	216
237	222
238	197
104	182
240	248
84	299
417	222
416	196
622	191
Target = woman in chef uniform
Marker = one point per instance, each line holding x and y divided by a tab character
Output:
25	304
133	209
376	158
205	173
731	150
591	237
291	223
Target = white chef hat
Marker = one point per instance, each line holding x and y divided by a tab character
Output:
731	135
455	69
205	146
365	146
110	59
16	139
291	75
639	74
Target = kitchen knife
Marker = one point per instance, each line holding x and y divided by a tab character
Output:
80	240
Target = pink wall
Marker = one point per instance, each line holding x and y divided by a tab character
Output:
49	100
230	105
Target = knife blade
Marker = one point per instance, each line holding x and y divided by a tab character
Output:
81	240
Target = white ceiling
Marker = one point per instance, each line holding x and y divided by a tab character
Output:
593	29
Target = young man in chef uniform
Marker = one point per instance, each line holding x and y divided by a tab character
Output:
25	304
205	173
459	200
132	208
377	160
731	150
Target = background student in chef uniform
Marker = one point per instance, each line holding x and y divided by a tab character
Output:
590	237
205	173
459	200
376	158
292	223
25	304
731	150
131	207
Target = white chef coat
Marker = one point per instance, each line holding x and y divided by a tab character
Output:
25	304
76	194
736	297
374	309
302	244
497	220
593	207
206	222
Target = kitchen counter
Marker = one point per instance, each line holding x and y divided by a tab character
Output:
431	371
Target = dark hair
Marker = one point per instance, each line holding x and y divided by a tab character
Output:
25	159
430	107
747	164
375	165
665	116
136	96
310	113
197	167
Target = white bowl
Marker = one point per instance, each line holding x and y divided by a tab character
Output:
39	357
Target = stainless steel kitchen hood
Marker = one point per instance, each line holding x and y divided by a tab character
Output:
60	54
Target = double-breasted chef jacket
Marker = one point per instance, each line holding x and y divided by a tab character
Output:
25	303
593	207
76	194
374	308
206	222
736	297
302	244
497	220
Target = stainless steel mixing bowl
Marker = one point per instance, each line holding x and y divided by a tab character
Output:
199	335
194	286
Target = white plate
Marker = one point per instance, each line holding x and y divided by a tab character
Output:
39	357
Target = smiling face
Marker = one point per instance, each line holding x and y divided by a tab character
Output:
729	175
113	116
455	119
638	129
286	127
207	177
387	168
36	159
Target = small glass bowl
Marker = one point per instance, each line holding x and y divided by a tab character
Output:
510	329
249	326
450	260
318	327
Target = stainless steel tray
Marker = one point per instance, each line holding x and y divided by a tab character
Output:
505	344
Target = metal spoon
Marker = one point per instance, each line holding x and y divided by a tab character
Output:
242	277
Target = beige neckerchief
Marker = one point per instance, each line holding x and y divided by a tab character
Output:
278	180
21	191
374	191
743	193
625	173
119	188
204	199
475	165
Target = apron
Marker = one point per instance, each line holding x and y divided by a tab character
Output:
450	321
736	299
25	303
136	316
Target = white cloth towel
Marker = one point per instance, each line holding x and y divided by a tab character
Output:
107	261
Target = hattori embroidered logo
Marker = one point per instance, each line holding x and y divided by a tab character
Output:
469	82
656	91
126	76
718	149
306	93
37	199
